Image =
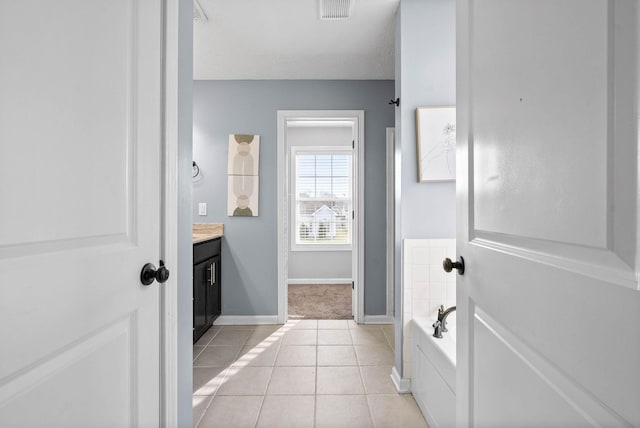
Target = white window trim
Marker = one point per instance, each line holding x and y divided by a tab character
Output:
311	150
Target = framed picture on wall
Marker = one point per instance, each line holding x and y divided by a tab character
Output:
436	141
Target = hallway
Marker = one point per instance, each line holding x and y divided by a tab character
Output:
307	373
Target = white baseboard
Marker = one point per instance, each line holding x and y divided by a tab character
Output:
246	319
323	281
378	319
403	386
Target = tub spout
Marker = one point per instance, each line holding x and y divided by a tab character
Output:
440	326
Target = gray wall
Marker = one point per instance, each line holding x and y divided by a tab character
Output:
321	265
185	252
425	76
249	250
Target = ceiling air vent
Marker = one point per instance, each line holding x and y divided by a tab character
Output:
335	9
198	12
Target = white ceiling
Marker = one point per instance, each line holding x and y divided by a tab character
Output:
284	39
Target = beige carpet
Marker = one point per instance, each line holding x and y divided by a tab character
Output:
324	302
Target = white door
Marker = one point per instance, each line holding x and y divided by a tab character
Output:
80	133
548	219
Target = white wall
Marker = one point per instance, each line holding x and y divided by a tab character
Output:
309	266
425	76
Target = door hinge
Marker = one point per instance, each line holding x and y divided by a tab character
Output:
353	215
353	285
353	144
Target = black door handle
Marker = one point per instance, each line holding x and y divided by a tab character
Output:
448	265
149	273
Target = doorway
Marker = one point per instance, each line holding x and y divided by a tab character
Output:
320	195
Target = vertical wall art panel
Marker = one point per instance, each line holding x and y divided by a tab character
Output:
243	180
243	196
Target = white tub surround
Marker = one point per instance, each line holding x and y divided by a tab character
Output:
426	286
434	371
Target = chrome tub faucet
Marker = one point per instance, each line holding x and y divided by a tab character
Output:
440	326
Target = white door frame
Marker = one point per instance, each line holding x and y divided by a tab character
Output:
391	198
169	221
283	203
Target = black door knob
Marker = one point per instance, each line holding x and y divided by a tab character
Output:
149	273
448	265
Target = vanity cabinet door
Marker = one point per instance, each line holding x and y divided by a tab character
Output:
206	286
201	272
213	290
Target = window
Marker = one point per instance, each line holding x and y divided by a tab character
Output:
322	198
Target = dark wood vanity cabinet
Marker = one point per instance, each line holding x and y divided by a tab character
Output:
206	285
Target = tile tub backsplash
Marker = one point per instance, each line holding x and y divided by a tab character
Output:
426	285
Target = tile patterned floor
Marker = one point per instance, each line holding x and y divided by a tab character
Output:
307	373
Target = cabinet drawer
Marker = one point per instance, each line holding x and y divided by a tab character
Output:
205	250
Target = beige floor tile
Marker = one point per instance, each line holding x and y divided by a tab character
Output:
292	381
391	411
207	380
240	327
301	325
368	336
333	324
389	330
300	337
196	351
374	355
296	356
258	355
392	344
208	335
283	411
334	337
339	381
267	327
217	356
336	355
389	333
265	335
231	337
331	371
342	411
232	412
200	404
246	381
377	379
367	327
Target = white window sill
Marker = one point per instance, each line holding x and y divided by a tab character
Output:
321	247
